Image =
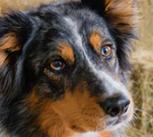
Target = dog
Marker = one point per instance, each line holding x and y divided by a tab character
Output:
64	68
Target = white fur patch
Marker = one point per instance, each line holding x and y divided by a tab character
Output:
3	133
88	134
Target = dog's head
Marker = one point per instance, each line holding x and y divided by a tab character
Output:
63	67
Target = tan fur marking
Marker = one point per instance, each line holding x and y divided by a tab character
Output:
66	52
95	40
106	134
32	100
75	112
48	120
3	57
8	42
80	111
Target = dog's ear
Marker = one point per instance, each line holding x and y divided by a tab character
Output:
15	29
121	21
119	14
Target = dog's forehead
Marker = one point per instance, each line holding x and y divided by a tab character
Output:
85	22
74	29
77	27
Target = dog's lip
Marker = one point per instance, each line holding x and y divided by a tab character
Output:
113	121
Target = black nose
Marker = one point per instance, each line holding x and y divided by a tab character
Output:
115	106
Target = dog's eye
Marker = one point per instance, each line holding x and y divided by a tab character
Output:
106	50
57	65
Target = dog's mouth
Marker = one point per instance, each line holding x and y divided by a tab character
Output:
105	123
110	124
113	123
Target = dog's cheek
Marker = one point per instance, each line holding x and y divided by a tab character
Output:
48	121
77	111
80	111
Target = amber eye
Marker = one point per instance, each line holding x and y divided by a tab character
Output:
106	50
57	65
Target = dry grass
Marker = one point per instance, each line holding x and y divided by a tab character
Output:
142	73
6	5
142	89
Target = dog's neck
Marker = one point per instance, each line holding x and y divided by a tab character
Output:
89	134
3	133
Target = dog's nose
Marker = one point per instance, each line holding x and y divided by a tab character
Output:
115	106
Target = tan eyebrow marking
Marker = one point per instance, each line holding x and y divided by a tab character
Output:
95	40
66	52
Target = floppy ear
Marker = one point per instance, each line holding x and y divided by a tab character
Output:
15	29
119	14
120	18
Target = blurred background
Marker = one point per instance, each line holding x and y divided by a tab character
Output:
141	83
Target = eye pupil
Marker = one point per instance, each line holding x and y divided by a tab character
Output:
106	51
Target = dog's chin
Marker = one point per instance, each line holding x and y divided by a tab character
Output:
111	124
118	122
115	123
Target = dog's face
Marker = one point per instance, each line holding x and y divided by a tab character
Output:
63	67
